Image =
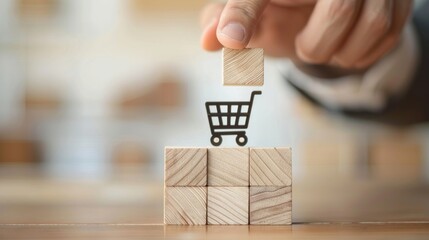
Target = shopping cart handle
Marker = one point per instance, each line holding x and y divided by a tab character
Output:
253	95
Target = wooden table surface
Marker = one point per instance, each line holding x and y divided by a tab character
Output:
389	231
36	207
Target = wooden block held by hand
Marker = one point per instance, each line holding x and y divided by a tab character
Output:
270	167
228	205
228	167
243	67
270	205
186	167
185	205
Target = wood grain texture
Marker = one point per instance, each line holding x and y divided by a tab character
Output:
228	205
270	167
270	205
228	167
185	205
243	67
185	167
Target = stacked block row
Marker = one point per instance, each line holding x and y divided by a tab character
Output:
228	186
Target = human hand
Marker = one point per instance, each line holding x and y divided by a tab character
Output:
351	34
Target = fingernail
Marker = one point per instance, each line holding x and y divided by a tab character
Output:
234	31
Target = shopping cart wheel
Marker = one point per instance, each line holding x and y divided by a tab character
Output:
241	139
216	140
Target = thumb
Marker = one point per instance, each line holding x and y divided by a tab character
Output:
238	21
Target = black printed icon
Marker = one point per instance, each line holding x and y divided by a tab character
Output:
229	118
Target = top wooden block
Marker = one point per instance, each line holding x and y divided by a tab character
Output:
228	167
270	167
185	167
243	67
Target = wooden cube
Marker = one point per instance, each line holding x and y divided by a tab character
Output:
228	205
271	205
243	67
186	167
185	205
228	167
270	167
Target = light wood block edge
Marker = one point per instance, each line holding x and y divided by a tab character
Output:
228	206
244	67
188	169
270	166
185	205
270	205
228	167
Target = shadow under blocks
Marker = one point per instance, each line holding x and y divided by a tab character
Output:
228	186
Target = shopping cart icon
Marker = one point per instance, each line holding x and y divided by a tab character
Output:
229	118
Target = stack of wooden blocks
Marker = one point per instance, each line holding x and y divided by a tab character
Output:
228	186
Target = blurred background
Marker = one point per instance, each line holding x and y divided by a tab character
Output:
92	91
